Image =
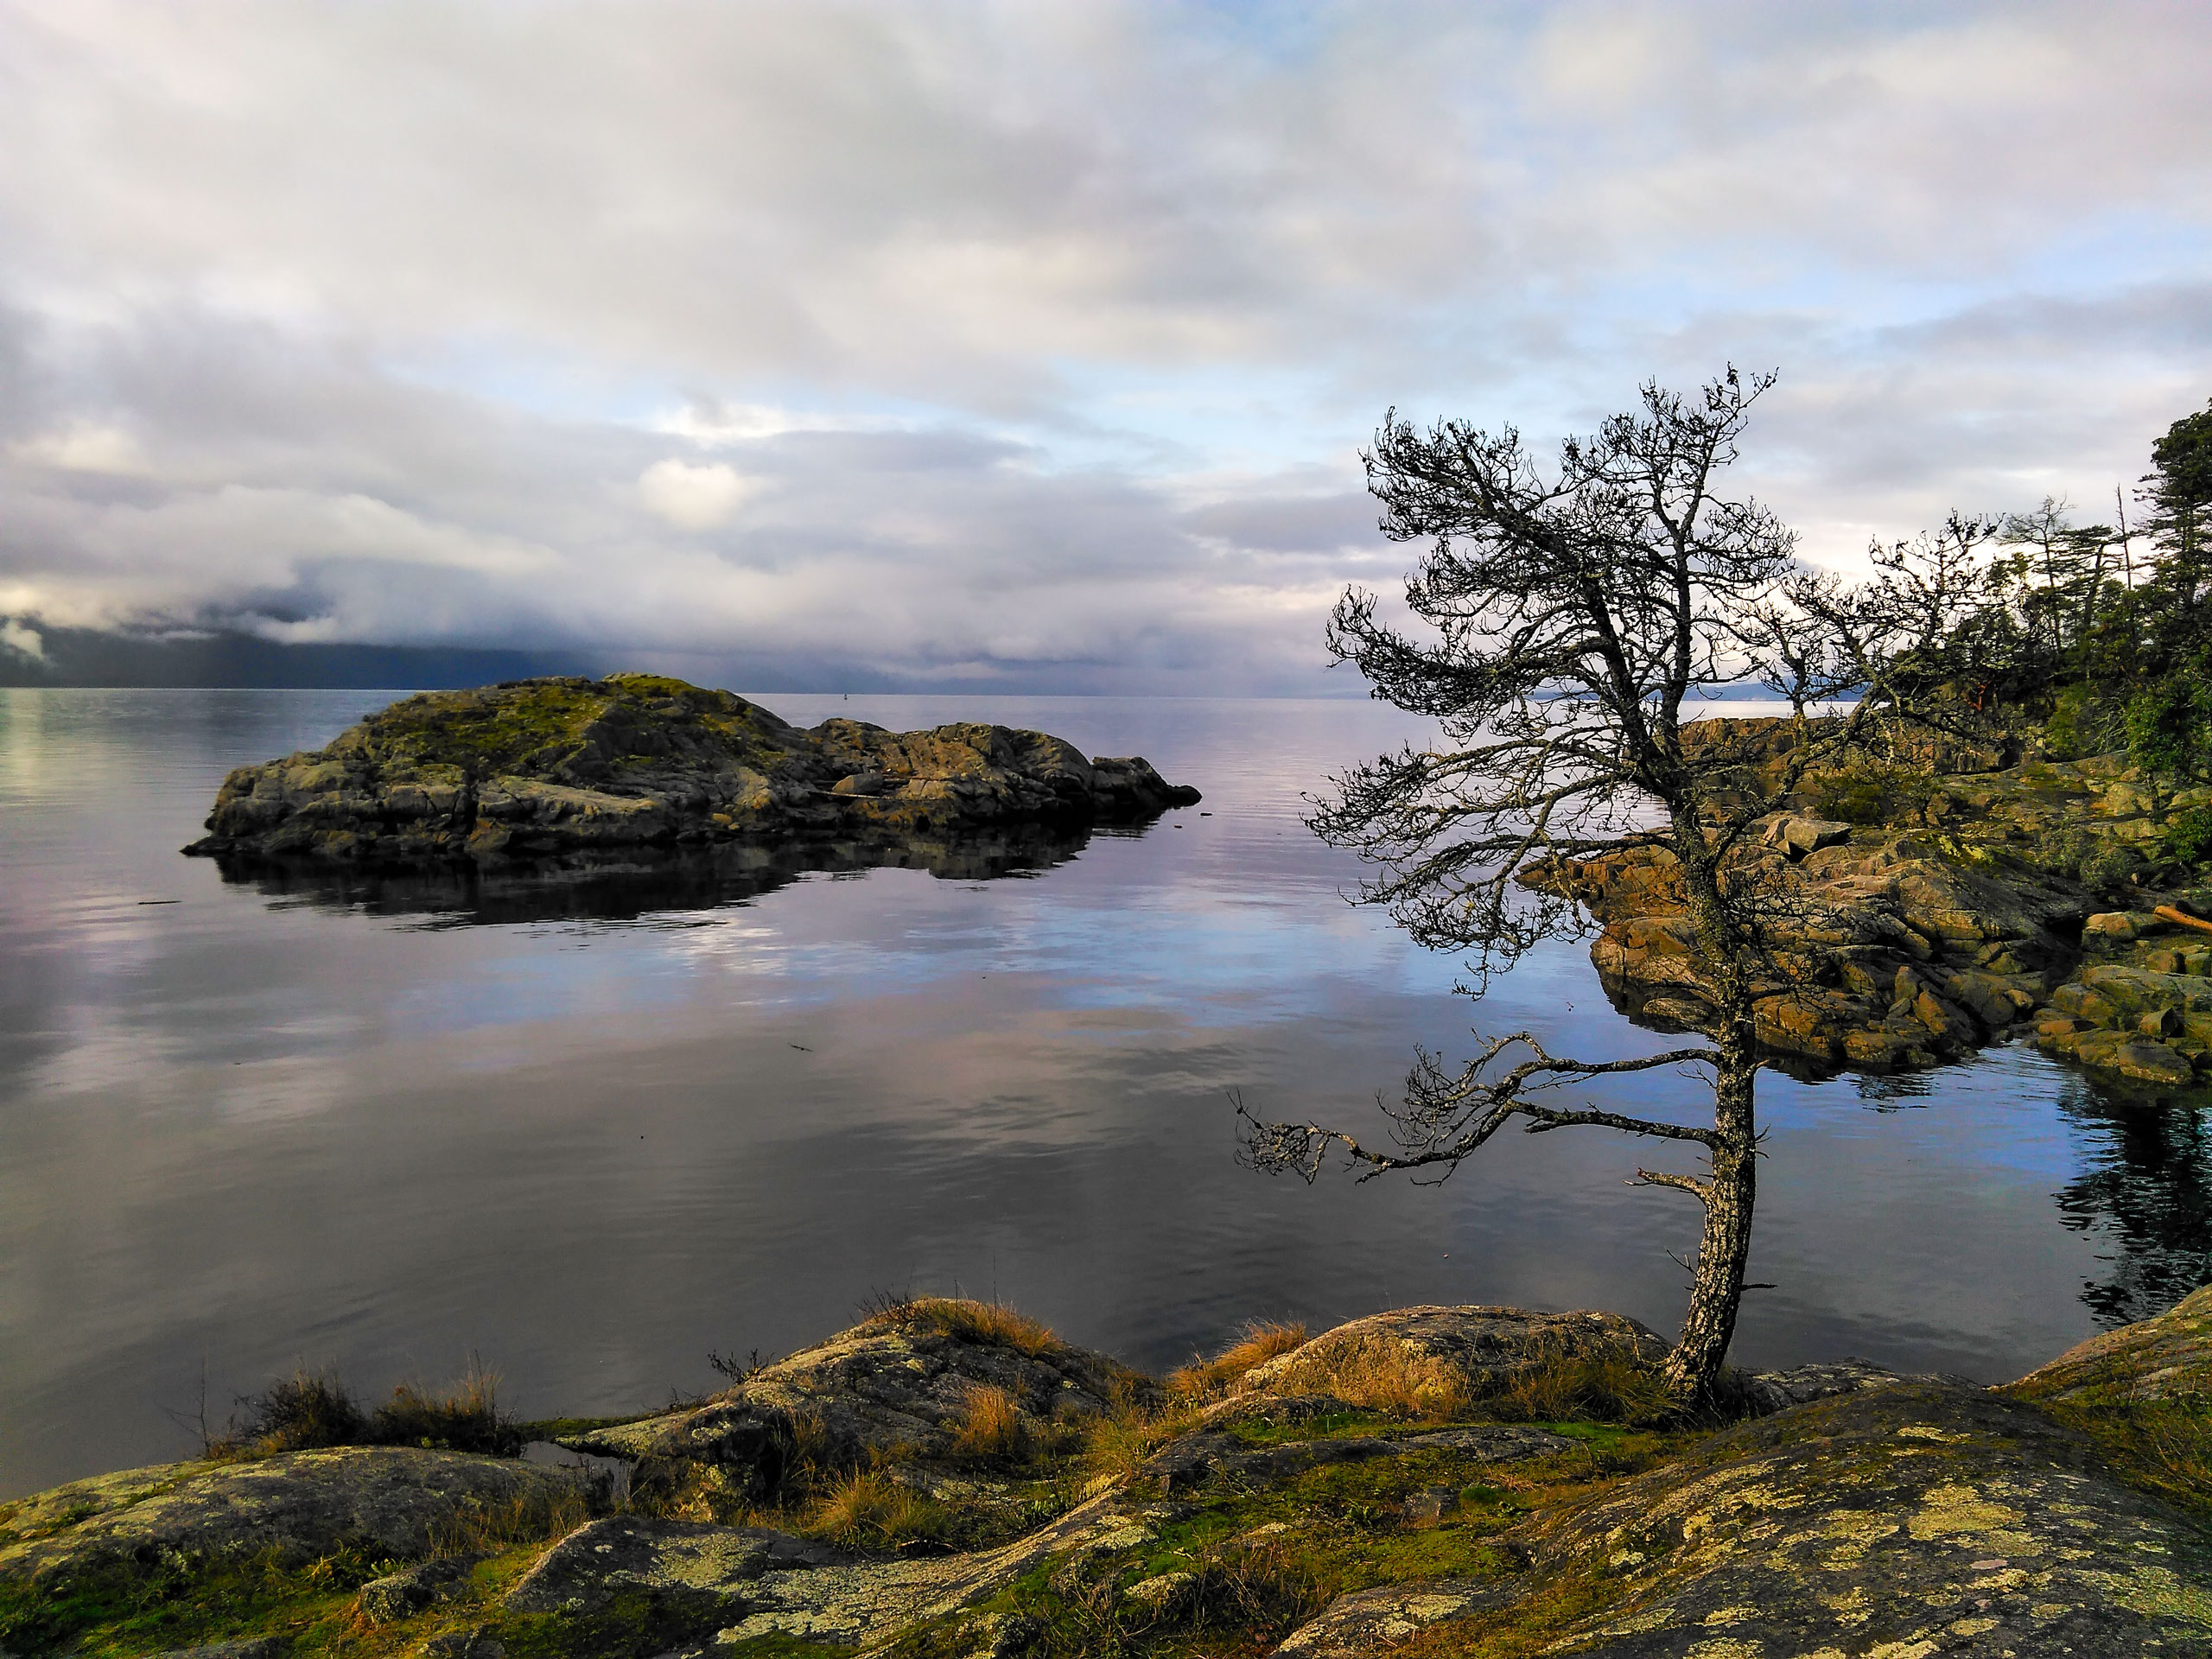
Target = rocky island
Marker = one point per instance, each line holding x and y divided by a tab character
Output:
950	1480
547	768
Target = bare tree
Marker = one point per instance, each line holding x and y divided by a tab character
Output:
1573	618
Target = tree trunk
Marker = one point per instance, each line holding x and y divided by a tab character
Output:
1692	1366
1717	1288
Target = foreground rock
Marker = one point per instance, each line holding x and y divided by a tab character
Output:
540	768
902	1385
1918	1519
295	1507
1868	1515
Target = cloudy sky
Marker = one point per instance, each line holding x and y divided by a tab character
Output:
1031	343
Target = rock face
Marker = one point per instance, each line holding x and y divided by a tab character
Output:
899	1384
1921	1518
297	1506
1869	1515
538	768
2164	1358
1903	943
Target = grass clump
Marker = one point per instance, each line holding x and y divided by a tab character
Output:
992	1428
1559	1386
868	1510
992	1323
1383	1374
1259	1342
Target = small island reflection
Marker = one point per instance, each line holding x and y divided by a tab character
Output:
628	883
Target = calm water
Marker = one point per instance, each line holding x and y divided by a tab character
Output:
593	1139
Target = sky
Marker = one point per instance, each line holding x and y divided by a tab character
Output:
1027	345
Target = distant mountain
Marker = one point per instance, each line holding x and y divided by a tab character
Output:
85	657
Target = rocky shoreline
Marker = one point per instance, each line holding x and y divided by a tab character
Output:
949	1479
550	768
1938	918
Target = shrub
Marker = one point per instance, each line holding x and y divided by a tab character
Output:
1259	1341
304	1410
2189	837
1870	793
313	1408
466	1418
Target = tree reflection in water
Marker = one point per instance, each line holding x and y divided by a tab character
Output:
2145	1196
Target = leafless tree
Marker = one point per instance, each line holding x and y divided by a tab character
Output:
1570	623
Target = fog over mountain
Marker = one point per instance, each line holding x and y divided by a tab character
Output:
1013	344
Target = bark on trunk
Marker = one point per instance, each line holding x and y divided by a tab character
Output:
1729	1195
1731	1189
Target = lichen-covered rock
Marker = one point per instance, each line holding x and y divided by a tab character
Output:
2157	1359
1368	1622
533	768
1192	1460
1918	1519
899	1384
1416	1356
292	1508
408	1592
705	1568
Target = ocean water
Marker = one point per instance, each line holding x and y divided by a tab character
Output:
591	1134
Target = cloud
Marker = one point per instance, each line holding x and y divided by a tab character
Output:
995	340
692	498
24	642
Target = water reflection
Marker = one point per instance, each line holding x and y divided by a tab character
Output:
635	882
2143	1197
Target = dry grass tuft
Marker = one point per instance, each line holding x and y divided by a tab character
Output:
1383	1374
992	1427
526	1518
869	1511
464	1418
1557	1385
993	1323
1260	1341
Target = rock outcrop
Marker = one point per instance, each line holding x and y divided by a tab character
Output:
1944	924
538	768
900	1384
1867	1515
1921	1518
1448	1354
2169	1358
293	1507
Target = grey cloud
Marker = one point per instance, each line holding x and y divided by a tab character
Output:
1036	340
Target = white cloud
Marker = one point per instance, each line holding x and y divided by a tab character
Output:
691	497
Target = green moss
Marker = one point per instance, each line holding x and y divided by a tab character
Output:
131	1609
